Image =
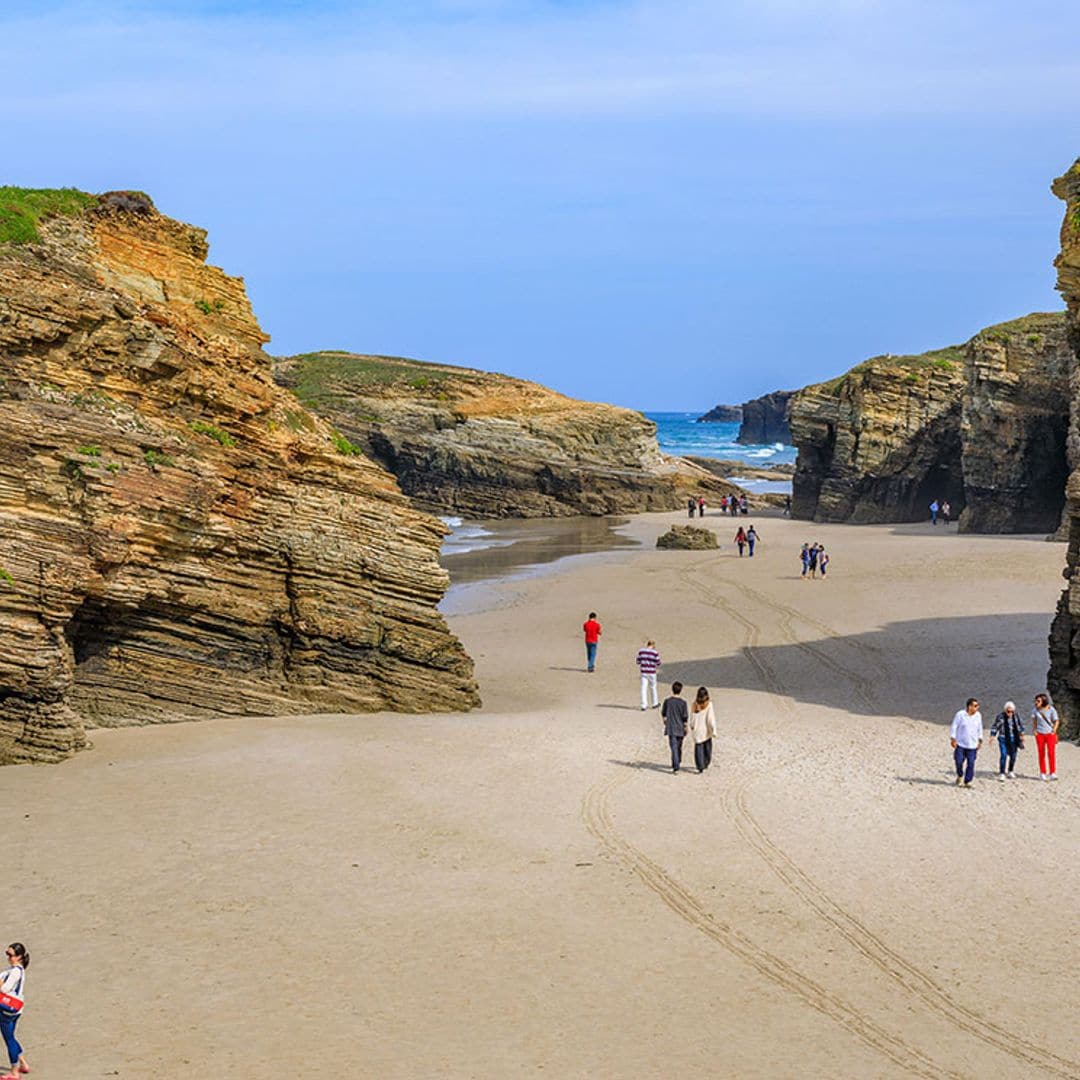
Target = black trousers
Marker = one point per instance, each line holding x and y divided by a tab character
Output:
703	755
675	742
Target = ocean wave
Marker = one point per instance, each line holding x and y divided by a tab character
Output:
764	451
453	522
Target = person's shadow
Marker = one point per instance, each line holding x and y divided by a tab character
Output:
651	766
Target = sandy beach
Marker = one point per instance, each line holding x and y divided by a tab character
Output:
527	890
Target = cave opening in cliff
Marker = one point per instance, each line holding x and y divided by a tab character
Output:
95	628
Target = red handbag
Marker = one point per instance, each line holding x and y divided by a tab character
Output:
10	1002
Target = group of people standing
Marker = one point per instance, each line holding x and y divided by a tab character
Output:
814	557
966	737
733	504
940	507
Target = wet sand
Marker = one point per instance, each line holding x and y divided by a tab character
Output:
526	890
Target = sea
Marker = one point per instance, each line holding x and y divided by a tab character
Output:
676	432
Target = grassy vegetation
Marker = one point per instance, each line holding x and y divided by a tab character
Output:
213	432
6	578
210	307
343	446
90	451
113	466
155	459
22	209
328	378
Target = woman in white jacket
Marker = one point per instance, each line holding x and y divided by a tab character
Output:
703	726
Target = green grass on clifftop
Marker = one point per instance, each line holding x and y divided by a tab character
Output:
22	208
325	378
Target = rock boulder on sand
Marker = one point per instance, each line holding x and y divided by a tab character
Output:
688	538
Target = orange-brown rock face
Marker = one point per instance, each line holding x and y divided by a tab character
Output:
181	539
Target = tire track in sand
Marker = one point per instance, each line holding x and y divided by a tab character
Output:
913	979
596	815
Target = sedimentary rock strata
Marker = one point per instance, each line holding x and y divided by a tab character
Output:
483	445
981	425
181	539
765	419
1064	677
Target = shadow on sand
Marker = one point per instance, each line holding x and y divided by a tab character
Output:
904	669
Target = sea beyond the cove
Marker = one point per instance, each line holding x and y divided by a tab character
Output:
680	433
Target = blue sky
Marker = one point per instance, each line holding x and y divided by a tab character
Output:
663	205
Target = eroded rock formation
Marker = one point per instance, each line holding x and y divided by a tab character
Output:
483	445
765	419
982	425
180	538
722	414
1064	677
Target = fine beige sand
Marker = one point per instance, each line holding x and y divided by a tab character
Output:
526	891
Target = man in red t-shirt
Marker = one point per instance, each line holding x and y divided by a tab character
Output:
592	639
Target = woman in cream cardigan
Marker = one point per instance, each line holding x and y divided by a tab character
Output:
703	726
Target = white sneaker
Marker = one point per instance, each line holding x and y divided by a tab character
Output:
959	781
1011	776
1053	776
1043	776
1001	778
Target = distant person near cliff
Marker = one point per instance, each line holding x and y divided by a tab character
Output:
592	639
751	539
701	506
815	552
744	506
934	508
823	561
946	514
648	662
1046	723
675	716
740	540
723	504
787	506
804	558
691	506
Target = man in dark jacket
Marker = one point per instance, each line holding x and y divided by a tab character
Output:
675	716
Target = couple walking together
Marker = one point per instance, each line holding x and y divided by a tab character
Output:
700	719
966	737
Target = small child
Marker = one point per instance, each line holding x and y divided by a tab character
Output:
823	561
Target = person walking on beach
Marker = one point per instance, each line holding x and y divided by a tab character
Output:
701	506
1008	729
814	552
703	727
12	996
804	558
740	539
675	716
592	638
744	506
648	662
1046	722
934	508
691	506
823	561
946	513
751	539
965	737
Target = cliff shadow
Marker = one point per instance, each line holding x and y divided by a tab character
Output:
924	669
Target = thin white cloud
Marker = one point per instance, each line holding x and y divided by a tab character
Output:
798	57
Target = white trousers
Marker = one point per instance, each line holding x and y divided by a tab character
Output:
648	682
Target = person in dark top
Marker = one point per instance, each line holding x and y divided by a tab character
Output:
691	506
676	715
814	550
787	506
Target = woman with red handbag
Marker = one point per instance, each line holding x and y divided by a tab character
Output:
12	996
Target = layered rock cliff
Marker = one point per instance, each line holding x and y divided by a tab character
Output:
981	425
180	538
1064	676
483	445
765	419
